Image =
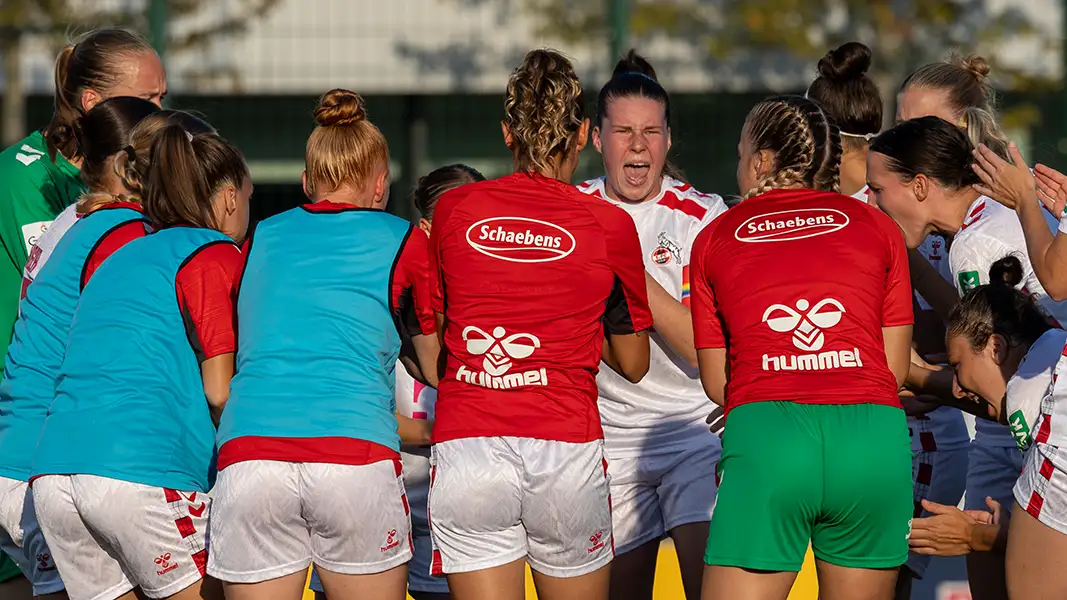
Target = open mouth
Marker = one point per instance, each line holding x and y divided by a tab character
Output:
636	173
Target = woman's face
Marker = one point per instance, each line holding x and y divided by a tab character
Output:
913	103
898	199
979	374
747	159
633	139
232	211
141	75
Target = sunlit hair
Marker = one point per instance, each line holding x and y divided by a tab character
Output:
805	144
930	146
434	184
132	164
185	172
965	82
345	147
847	94
91	62
544	108
999	308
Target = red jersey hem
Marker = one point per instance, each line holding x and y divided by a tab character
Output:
448	434
332	450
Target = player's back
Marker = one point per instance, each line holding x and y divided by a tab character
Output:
800	282
525	266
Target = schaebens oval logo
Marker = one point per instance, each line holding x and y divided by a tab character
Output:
786	225
520	239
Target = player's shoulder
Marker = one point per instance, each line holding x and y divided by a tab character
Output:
594	187
26	162
685	199
1048	347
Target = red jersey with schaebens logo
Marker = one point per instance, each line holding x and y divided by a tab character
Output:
798	285
529	273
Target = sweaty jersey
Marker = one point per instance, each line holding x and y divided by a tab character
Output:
530	273
990	232
35	189
1029	392
668	407
798	285
326	301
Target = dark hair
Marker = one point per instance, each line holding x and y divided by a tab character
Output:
184	173
133	164
89	63
105	131
543	108
965	81
805	143
435	183
847	95
931	146
999	308
634	77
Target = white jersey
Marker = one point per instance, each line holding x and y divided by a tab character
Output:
990	232
668	408
45	243
863	195
1031	387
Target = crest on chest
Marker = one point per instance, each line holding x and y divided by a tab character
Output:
666	250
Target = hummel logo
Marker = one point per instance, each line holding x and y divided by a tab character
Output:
596	542
497	350
165	565
390	541
807	327
29	155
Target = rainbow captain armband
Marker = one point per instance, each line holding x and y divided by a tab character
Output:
685	286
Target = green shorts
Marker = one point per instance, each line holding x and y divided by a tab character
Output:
837	476
8	568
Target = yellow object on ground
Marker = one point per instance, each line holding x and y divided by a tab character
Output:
669	582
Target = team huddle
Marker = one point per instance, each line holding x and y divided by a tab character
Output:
536	373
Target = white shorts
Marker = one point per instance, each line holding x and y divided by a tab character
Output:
1042	488
496	500
273	519
939	476
991	471
417	485
653	494
109	536
21	537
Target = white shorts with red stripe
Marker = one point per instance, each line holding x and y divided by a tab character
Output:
1042	488
497	500
272	519
109	536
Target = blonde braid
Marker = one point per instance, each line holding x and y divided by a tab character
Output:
807	148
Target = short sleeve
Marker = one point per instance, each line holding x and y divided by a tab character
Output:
440	229
411	286
714	212
708	329
897	309
970	261
627	307
107	245
207	295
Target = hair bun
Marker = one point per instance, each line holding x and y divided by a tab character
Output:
338	108
845	63
1007	271
977	66
634	63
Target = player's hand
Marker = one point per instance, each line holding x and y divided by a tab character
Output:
1051	189
947	532
1009	184
987	517
716	420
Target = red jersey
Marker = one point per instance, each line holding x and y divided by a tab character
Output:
529	273
798	285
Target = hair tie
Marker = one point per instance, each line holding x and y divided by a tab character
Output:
189	136
866	136
131	154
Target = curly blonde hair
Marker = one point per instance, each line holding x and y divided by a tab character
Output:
543	109
806	145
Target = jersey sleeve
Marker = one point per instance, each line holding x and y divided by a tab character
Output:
708	329
970	259
411	286
897	308
627	307
441	225
717	208
207	294
107	245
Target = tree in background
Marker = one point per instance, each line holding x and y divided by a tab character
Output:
195	24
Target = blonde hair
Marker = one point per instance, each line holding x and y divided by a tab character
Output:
806	145
965	82
544	108
132	165
345	147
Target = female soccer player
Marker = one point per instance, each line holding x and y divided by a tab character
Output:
327	298
415	412
997	333
922	173
661	456
527	276
126	457
939	437
107	218
818	346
